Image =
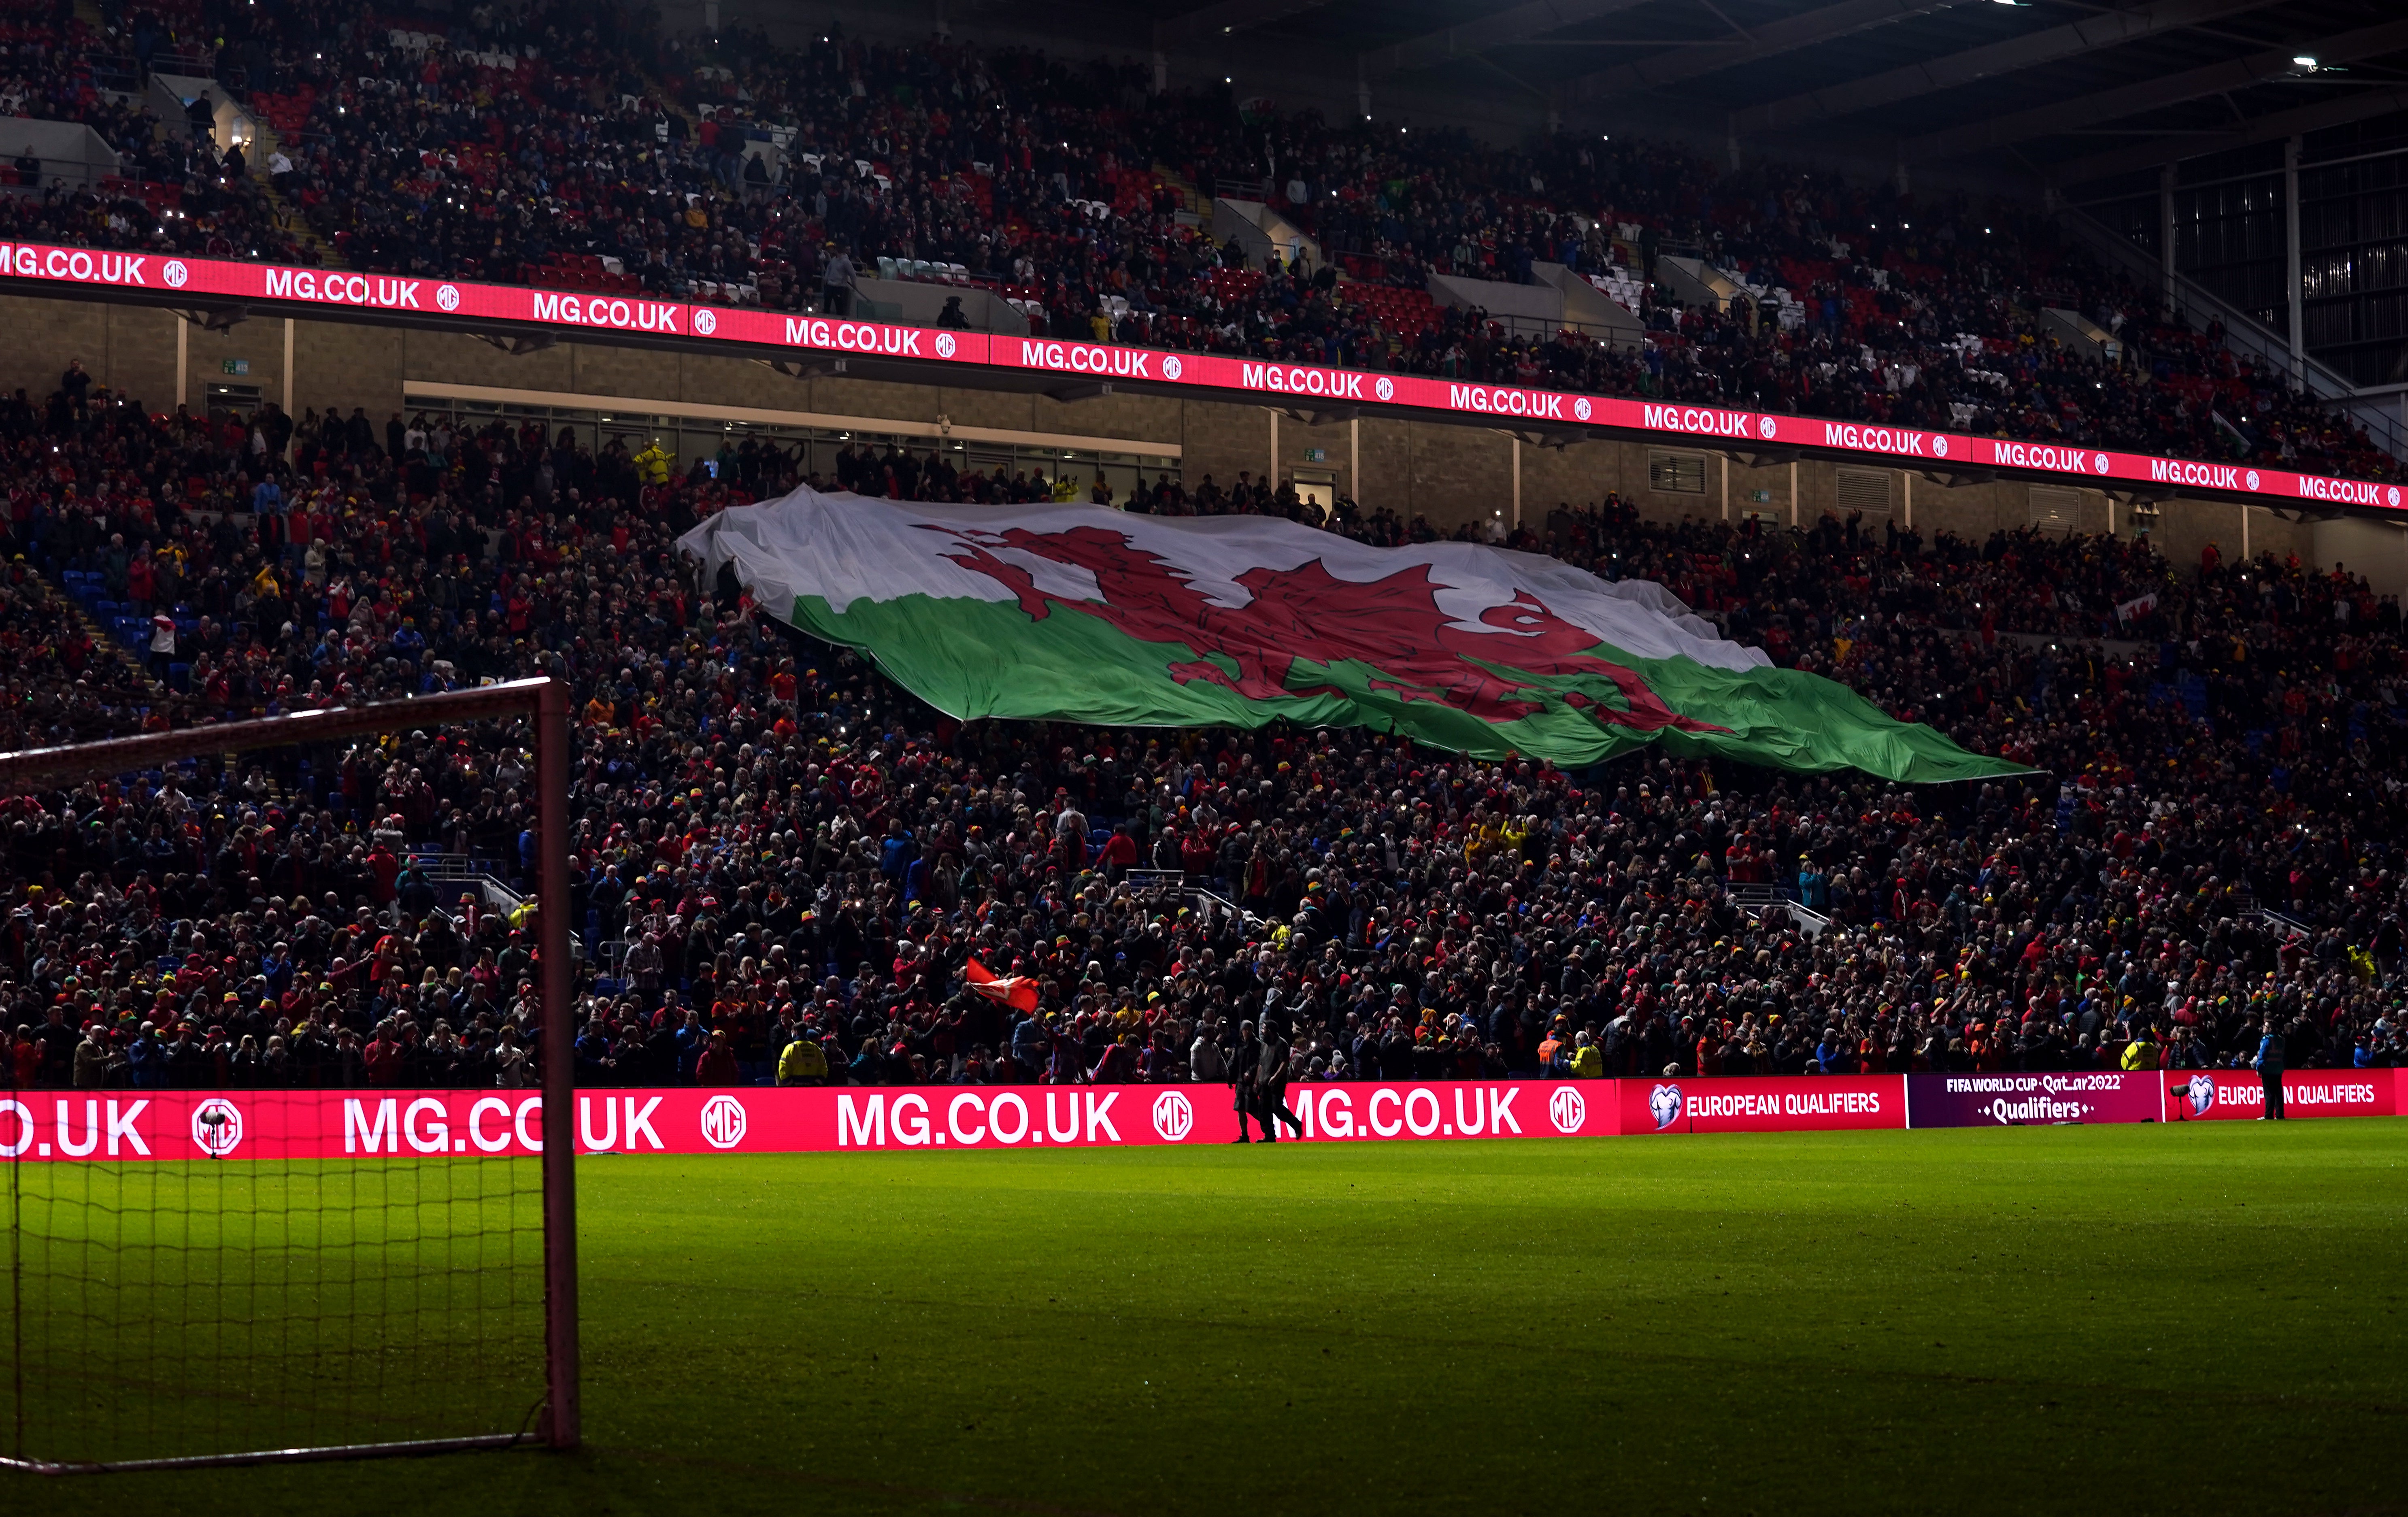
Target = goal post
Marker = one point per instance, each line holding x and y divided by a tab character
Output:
338	1254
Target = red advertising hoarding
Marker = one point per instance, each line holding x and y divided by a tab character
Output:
1774	1105
1466	1108
304	291
314	1125
2239	1094
302	1125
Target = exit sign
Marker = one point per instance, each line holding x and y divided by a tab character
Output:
1316	455
235	366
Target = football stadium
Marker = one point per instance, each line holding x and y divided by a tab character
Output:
714	710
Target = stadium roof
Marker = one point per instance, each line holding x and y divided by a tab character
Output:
2067	90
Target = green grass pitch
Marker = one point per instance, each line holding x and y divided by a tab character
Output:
2193	1319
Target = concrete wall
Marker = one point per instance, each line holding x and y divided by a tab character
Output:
70	152
1450	474
122	347
1261	231
2377	549
1541	306
170	98
921	302
1590	309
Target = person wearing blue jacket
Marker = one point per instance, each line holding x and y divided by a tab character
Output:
2269	1064
147	1059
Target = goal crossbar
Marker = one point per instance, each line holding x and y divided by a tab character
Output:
544	701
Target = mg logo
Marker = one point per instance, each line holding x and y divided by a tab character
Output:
1581	408
1939	448
174	273
945	345
1172	367
1567	1110
2391	496
448	296
2252	478
722	1122
1765	425
1384	388
2102	463
1172	1116
217	1126
706	321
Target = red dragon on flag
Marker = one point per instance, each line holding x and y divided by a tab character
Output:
1081	613
1307	615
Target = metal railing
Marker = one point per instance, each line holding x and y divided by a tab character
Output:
1147	883
2196	305
451	865
2292	928
1760	899
493	894
1197	893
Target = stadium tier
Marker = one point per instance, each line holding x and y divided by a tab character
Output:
818	654
785	863
1078	202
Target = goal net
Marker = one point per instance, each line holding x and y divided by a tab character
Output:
288	1170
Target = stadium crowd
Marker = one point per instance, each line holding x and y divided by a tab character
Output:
784	865
558	144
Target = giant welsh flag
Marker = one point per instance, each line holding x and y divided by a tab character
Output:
1083	613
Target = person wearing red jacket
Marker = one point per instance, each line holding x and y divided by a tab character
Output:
717	1066
383	1058
1120	853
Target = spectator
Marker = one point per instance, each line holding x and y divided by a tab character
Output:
797	851
838	281
716	1064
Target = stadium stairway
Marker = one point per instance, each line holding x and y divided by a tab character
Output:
289	219
1191	199
114	630
292	223
658	91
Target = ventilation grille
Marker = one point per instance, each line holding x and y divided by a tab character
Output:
1677	474
1866	490
2055	508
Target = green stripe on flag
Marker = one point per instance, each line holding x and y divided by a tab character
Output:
980	658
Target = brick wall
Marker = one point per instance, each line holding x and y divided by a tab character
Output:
1450	474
